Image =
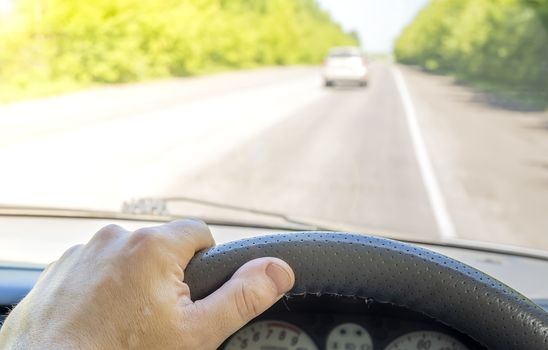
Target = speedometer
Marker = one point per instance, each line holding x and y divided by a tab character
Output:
427	340
349	336
270	335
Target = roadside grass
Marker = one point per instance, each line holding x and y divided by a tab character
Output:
511	98
13	92
508	98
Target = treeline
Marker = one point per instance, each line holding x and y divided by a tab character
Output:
113	41
498	45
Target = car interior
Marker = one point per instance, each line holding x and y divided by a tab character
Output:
394	153
357	292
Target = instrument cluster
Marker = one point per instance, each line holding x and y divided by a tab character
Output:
359	327
279	335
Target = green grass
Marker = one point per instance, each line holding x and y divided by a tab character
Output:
506	97
16	92
13	92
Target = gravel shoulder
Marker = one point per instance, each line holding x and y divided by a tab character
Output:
492	162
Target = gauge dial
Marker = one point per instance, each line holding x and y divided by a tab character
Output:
270	335
349	336
426	340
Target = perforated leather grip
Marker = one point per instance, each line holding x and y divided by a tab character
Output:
389	272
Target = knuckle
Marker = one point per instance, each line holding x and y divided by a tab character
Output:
146	231
71	251
196	224
50	266
147	239
47	270
248	302
108	233
190	226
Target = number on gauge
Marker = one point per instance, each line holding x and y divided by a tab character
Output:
349	336
427	340
270	335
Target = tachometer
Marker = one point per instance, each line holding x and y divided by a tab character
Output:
270	335
427	340
349	336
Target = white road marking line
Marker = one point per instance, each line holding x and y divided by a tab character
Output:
431	183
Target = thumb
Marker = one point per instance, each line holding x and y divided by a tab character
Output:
255	287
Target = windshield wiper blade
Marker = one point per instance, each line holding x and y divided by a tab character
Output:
159	206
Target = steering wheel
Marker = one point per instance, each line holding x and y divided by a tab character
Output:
386	271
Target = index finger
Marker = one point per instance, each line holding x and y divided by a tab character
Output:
182	237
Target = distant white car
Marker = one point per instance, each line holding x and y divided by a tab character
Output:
345	64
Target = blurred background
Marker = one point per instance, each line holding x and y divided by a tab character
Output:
411	118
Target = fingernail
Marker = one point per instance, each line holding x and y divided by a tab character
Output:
280	276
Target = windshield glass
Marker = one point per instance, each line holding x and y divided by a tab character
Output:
411	118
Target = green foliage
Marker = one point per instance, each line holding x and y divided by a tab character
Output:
501	45
116	41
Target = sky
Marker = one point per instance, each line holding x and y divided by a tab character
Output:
378	21
5	6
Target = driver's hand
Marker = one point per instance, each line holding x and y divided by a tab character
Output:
124	290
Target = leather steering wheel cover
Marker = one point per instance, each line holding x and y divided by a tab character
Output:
386	271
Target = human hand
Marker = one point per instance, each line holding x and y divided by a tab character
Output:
124	290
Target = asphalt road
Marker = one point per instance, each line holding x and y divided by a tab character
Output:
344	159
444	164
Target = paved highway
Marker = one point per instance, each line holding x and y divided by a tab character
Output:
412	154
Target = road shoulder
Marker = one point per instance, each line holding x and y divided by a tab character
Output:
491	162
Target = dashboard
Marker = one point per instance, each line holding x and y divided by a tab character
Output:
307	322
339	323
311	322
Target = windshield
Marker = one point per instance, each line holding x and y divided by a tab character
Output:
236	110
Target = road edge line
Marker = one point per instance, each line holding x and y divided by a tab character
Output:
431	183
